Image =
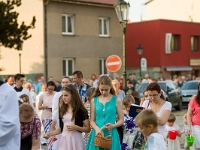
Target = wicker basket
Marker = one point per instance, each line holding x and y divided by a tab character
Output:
103	142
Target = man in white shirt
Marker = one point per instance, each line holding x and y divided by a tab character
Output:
19	81
65	81
11	80
32	93
9	118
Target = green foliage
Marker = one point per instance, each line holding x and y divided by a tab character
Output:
11	33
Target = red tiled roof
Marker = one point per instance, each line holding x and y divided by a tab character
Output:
109	2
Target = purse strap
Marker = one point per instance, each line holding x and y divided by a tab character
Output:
109	135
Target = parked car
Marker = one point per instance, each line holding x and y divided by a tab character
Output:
171	92
189	89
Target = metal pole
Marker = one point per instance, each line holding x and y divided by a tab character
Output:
140	67
124	59
19	62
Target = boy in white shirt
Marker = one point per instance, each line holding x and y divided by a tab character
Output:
147	121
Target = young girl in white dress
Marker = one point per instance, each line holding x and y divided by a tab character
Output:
172	144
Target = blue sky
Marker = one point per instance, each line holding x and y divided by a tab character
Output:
136	10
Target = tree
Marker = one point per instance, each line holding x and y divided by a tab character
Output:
11	33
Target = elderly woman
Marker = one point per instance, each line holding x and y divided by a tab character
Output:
119	93
159	105
193	120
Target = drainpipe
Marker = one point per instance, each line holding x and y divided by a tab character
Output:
45	40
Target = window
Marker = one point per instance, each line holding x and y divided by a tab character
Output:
68	24
104	27
194	43
102	66
175	42
68	67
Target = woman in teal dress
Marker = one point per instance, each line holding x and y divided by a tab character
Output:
105	108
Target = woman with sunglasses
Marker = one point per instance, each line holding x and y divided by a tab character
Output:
159	105
45	104
193	120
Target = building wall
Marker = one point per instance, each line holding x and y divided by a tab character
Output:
151	35
85	46
182	10
32	57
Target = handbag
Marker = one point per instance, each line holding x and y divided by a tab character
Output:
103	142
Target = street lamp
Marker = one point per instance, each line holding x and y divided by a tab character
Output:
20	52
140	50
122	11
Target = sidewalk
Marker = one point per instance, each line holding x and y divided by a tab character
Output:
180	123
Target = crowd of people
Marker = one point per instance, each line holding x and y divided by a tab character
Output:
73	113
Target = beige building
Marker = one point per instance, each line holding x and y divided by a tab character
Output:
32	57
69	35
80	36
180	10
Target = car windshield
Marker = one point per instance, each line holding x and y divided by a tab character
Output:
141	88
190	86
163	86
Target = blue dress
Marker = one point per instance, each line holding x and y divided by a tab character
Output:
105	114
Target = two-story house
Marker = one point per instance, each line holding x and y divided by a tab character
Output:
69	35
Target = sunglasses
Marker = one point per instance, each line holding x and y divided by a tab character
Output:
23	123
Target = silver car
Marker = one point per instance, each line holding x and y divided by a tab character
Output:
189	89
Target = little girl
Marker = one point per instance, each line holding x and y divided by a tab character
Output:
185	130
172	144
130	128
74	121
89	97
55	124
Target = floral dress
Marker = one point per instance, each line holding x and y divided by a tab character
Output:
130	130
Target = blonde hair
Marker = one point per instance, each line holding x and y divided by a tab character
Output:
26	111
116	81
146	117
127	99
185	116
172	118
104	80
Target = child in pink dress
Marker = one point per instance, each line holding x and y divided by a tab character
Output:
73	119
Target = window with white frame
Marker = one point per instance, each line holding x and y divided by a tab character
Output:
68	24
102	66
104	27
68	66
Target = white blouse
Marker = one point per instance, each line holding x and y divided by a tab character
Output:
167	106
